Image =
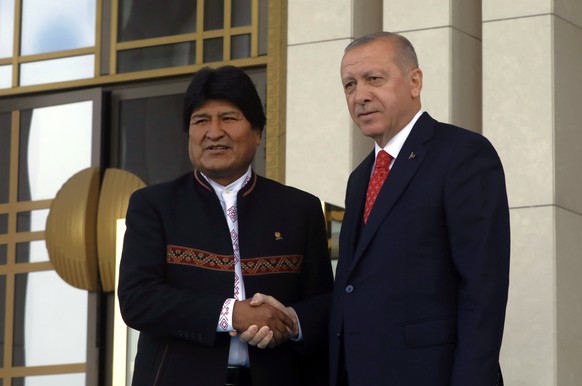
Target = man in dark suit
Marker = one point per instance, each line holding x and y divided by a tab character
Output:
195	247
422	278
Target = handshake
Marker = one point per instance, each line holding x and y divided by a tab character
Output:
263	321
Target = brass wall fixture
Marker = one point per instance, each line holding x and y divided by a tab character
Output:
81	226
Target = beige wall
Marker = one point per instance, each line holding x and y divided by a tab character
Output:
323	146
508	69
531	61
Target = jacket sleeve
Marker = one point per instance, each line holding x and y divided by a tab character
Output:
147	302
477	219
316	280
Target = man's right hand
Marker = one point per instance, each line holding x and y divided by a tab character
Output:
244	315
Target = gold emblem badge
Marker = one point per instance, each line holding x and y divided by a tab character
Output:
278	236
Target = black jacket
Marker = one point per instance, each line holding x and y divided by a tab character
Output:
176	272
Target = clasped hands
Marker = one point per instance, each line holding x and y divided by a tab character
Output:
263	321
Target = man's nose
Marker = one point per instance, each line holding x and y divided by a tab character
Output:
361	94
215	129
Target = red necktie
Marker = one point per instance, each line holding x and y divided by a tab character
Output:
379	175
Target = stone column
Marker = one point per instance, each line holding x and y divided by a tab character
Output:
532	56
447	38
323	146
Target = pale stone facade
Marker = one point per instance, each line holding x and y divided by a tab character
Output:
507	69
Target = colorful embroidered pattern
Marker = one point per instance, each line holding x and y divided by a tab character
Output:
255	266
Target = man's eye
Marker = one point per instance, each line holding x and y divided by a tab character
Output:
349	86
198	121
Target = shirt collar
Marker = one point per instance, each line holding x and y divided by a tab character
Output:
395	144
232	188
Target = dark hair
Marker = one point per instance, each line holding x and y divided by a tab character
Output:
405	56
224	83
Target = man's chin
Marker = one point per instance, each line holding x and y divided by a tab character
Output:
371	131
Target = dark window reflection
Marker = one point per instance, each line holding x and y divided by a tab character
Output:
241	13
2	318
18	355
23	252
263	26
3	224
4	156
23	180
150	58
3	254
153	145
213	49
213	15
23	220
147	19
240	47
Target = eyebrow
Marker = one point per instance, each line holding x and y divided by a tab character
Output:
221	114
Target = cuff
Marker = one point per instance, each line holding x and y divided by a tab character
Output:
299	336
225	318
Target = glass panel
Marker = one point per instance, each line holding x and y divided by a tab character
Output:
5	76
33	221
241	13
3	224
55	318
57	70
31	252
151	128
213	14
59	25
213	49
240	46
2	317
150	58
51	380
6	28
153	19
5	139
46	161
3	256
263	26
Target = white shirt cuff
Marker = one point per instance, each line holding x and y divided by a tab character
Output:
225	318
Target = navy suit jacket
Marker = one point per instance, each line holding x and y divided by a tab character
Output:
421	289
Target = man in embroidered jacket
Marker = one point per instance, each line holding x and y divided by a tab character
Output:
199	247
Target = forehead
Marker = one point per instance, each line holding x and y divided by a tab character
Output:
375	55
217	106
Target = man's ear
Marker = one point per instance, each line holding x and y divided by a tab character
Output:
415	82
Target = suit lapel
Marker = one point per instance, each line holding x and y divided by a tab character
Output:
356	198
405	166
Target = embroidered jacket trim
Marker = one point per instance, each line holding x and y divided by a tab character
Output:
254	266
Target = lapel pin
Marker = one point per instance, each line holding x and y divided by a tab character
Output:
412	155
278	236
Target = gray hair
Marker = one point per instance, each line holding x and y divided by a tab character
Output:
405	56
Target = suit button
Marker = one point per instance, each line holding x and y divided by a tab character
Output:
349	289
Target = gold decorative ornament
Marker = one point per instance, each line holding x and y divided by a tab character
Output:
81	226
